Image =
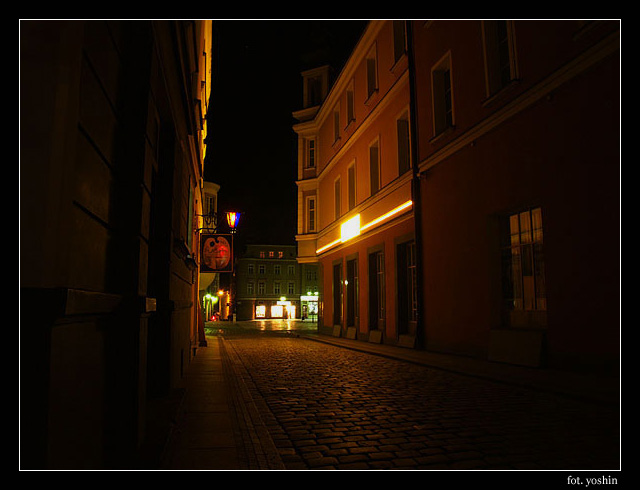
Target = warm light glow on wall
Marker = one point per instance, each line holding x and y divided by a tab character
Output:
328	246
348	228
380	219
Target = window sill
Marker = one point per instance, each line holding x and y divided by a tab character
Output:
504	92
351	121
442	134
400	65
372	98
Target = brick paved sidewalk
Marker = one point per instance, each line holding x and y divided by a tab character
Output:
218	426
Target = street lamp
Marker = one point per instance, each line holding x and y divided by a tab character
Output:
232	220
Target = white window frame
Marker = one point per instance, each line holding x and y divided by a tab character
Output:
336	123
311	229
311	153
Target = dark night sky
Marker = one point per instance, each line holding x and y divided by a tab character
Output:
256	87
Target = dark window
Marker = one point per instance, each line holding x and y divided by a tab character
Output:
399	39
499	49
374	168
442	97
351	177
404	156
372	83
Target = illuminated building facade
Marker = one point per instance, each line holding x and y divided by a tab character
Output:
271	284
458	187
113	135
355	213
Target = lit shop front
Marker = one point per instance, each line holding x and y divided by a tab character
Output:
282	308
309	305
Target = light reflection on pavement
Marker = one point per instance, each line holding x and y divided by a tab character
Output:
254	327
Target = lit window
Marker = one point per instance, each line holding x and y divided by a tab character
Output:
523	269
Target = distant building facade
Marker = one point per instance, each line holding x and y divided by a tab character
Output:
113	129
446	180
271	284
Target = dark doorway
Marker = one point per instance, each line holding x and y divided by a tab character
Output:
337	294
352	292
376	291
407	288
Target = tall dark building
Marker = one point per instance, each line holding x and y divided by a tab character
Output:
112	131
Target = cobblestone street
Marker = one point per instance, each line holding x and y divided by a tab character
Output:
327	407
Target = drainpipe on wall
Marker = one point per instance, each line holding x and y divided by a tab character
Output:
415	186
